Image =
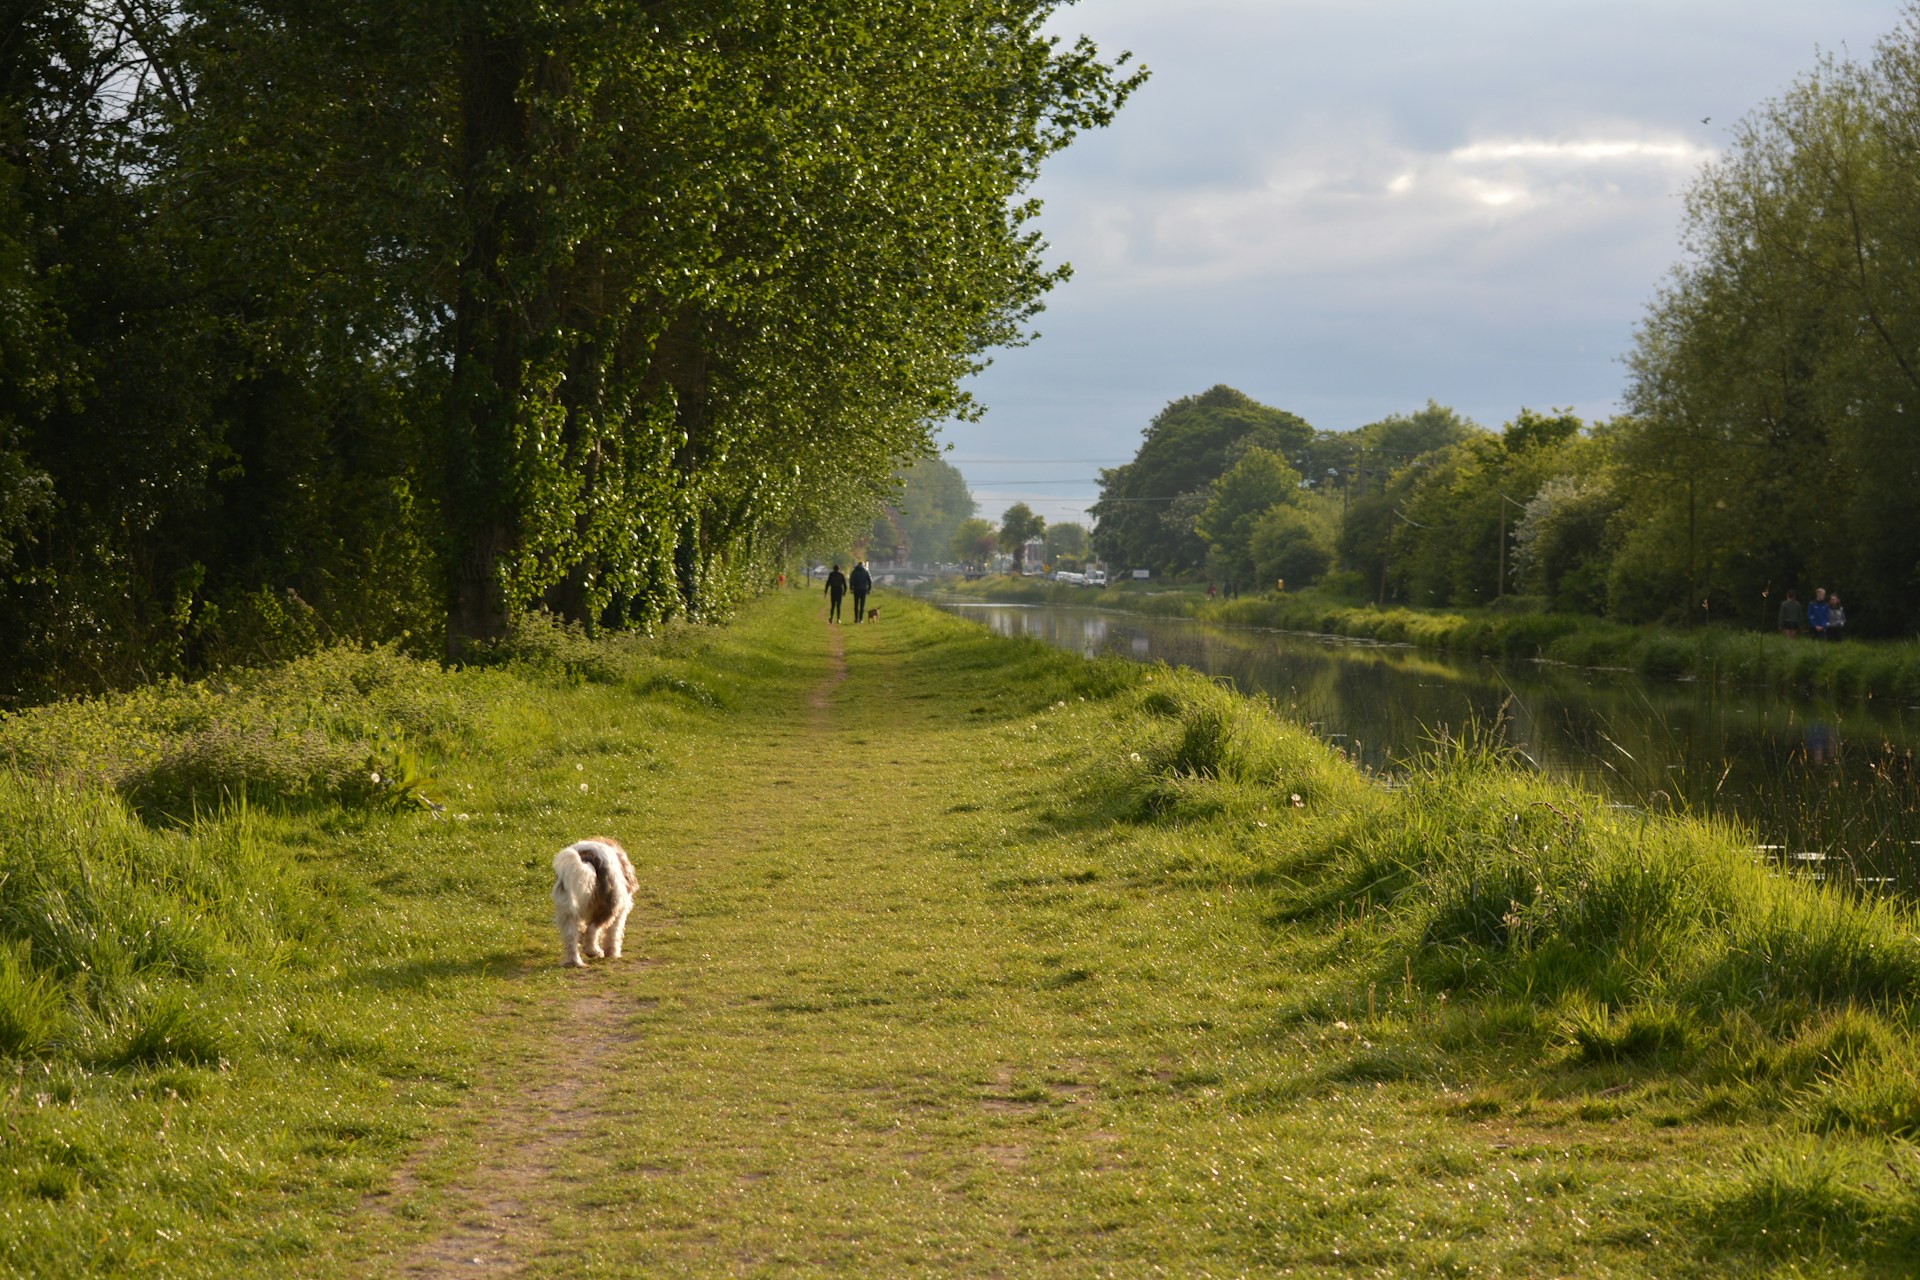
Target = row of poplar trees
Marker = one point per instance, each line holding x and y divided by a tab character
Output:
356	319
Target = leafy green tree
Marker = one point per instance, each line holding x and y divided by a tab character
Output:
1148	508
1067	540
465	308
934	502
1019	525
1562	544
1773	379
1260	481
1294	543
974	542
1466	502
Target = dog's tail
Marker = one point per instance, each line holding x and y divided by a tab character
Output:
577	870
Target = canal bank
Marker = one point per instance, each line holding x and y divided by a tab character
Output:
1827	786
1886	670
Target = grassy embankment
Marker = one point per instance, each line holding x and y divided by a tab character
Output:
986	960
1851	669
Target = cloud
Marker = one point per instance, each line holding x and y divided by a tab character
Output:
1344	207
1364	202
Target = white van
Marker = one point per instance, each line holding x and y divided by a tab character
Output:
1096	577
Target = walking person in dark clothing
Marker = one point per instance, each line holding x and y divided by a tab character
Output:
836	589
862	582
1817	614
1791	616
1836	617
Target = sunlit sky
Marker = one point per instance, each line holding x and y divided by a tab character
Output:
1347	207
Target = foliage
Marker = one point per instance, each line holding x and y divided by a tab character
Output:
443	313
934	503
1771	379
974	542
1018	526
1148	508
1066	538
1294	543
1257	483
1561	543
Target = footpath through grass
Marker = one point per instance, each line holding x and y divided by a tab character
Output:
954	955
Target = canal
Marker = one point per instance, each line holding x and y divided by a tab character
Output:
1828	789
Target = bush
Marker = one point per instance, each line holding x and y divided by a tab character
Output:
346	726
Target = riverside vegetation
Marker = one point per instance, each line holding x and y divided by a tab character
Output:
984	959
1520	629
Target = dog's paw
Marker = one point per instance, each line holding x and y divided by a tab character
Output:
575	963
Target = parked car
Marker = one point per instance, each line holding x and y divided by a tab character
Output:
1096	577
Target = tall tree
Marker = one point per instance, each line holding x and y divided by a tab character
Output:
1018	526
1148	508
1259	482
1772	380
974	542
474	305
934	501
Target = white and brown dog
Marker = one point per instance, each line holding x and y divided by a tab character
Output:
593	886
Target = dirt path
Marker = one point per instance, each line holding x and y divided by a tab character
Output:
550	1086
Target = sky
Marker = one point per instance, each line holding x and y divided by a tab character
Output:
1345	208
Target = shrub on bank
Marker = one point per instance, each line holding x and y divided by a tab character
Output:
346	725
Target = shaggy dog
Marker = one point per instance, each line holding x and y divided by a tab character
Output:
872	614
593	886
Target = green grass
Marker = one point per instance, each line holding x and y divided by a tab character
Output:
983	961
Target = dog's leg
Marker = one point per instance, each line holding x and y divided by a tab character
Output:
618	930
569	938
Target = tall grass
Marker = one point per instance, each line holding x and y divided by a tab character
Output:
1604	937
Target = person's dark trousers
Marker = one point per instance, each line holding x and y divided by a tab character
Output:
859	606
833	606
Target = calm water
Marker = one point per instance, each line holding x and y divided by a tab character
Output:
1829	789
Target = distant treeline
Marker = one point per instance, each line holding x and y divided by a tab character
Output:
372	320
1770	440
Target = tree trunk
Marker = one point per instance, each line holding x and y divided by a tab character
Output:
488	337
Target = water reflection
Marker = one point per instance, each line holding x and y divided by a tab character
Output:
1828	788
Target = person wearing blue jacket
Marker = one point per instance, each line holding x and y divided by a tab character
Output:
1818	611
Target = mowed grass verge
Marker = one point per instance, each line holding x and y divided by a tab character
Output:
986	960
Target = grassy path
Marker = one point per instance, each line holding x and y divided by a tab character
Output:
892	1010
833	1047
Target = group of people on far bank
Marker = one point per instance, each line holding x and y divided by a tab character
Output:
837	584
1823	618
